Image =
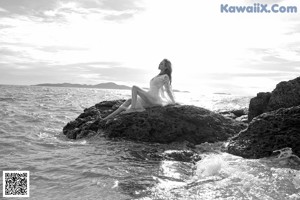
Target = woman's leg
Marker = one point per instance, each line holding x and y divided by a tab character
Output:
133	96
135	91
120	109
143	94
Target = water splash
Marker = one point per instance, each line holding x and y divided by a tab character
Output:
284	153
116	184
57	139
287	157
209	166
296	180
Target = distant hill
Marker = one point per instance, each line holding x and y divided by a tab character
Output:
109	85
222	93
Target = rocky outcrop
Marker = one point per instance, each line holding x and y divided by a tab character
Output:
234	113
174	155
239	114
269	132
258	104
285	95
157	124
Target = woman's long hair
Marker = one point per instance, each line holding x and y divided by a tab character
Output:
168	69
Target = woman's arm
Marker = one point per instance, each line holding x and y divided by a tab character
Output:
168	88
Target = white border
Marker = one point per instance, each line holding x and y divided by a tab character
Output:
28	183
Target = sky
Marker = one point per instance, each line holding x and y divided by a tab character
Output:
123	41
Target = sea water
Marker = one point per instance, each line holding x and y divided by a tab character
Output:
31	139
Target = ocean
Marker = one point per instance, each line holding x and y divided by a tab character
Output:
31	139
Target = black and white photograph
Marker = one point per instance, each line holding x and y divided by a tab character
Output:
150	99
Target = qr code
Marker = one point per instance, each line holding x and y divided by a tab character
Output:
15	183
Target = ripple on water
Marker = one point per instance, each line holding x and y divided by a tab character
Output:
7	99
52	138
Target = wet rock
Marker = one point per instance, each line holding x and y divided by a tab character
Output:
230	115
171	155
233	114
157	124
258	104
240	112
243	118
285	95
206	147
269	132
87	123
182	156
181	152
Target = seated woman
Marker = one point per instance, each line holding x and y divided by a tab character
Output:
142	99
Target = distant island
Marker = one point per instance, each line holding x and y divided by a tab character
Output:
109	85
222	93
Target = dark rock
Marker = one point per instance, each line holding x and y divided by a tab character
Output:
171	155
258	104
234	113
240	112
230	115
182	156
175	151
269	132
285	95
243	118
157	124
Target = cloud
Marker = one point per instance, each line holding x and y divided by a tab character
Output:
4	26
294	29
117	17
117	5
11	55
57	10
89	76
27	6
230	76
85	73
7	52
58	48
31	73
108	71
